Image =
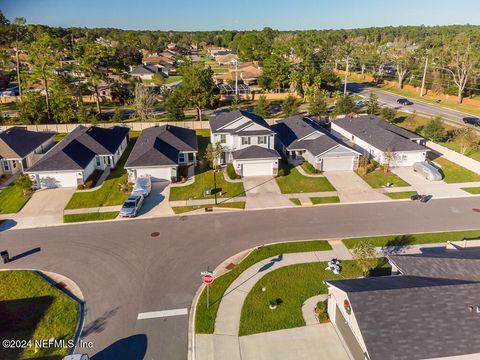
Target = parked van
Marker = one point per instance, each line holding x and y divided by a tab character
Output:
427	170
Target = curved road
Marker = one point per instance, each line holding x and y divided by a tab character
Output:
123	270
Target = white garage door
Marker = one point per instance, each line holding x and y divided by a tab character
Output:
257	169
157	174
337	164
55	180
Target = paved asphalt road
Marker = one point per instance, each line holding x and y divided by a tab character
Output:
123	271
390	99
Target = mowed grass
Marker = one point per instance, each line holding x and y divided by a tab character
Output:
290	286
401	195
71	218
414	239
472	190
455	173
325	200
205	318
109	193
295	201
293	182
231	205
378	179
12	199
31	309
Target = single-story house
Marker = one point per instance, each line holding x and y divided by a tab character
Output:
300	139
226	59
429	309
161	152
247	141
146	72
86	149
374	137
21	148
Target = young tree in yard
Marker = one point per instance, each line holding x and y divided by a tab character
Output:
434	130
388	114
289	106
144	101
31	110
63	105
159	79
213	154
175	105
262	108
467	138
318	106
373	107
24	183
388	158
365	255
345	105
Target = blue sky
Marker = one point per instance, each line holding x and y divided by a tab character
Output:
242	14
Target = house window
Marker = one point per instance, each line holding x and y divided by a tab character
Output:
98	161
14	163
223	139
246	140
5	166
191	157
262	140
181	157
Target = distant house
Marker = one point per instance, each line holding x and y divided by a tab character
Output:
429	309
162	153
78	155
226	59
216	52
20	149
248	142
146	72
374	137
300	139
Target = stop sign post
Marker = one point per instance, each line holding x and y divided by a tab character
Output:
207	278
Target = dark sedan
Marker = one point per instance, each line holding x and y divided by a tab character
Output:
472	121
404	101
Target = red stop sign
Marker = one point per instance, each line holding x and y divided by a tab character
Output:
207	278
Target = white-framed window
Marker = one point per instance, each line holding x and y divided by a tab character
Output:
262	140
14	164
223	139
98	161
181	157
5	166
246	140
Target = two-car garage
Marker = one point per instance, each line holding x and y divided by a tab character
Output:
55	179
157	174
264	168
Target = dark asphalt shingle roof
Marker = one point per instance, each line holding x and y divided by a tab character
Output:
379	133
144	70
225	118
255	152
79	148
18	142
161	146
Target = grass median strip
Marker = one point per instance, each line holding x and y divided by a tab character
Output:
455	173
472	190
378	179
32	309
325	200
414	239
296	201
232	205
401	195
71	218
293	182
205	318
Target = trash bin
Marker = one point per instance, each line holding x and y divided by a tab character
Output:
207	191
5	256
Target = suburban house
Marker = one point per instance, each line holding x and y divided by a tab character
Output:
301	139
226	59
20	149
430	310
163	153
146	72
74	159
374	137
247	141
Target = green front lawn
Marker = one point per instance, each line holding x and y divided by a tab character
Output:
231	205
109	193
325	200
90	216
295	201
401	195
12	199
378	179
455	173
205	318
290	286
414	239
472	190
293	182
31	309
173	78
205	179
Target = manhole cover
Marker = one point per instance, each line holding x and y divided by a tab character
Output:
476	210
155	234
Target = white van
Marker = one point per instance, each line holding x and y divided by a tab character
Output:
427	170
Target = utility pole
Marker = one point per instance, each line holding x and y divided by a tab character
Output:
424	76
346	75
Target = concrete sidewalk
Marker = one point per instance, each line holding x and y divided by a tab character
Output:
206	201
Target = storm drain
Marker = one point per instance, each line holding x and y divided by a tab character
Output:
155	234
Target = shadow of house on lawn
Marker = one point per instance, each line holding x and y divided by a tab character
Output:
131	348
19	320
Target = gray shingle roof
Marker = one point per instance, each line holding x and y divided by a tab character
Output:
225	118
18	142
379	133
79	148
145	70
255	152
159	146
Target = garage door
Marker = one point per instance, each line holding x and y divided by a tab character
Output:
348	337
157	174
257	169
55	180
337	164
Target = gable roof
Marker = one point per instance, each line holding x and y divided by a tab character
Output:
80	147
17	142
159	146
218	122
379	133
255	152
144	70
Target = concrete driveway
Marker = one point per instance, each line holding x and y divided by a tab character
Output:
263	192
351	188
156	204
45	208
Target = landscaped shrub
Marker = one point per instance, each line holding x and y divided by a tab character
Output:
321	311
281	172
231	172
309	168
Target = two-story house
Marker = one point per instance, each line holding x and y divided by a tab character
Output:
247	141
164	153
